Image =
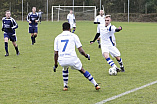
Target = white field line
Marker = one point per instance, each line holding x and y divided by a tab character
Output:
127	92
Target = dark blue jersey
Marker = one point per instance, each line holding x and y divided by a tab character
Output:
32	17
9	25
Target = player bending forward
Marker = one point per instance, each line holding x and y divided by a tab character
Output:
71	20
107	45
8	26
65	54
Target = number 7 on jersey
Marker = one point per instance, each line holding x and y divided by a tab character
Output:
66	42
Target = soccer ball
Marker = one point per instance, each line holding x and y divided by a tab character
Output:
112	71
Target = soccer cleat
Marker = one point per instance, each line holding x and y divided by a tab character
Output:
97	87
65	88
18	53
122	69
99	46
118	70
7	54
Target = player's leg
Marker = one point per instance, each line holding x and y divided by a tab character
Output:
40	19
35	33
74	27
32	38
116	53
65	74
98	40
90	78
6	45
13	39
78	66
31	31
120	63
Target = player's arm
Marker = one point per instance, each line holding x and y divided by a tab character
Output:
96	21
118	29
15	25
55	59
82	52
95	38
3	29
37	20
28	18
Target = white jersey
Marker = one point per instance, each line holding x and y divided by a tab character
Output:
71	18
100	19
65	45
106	34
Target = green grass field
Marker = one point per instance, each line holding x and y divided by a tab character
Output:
29	79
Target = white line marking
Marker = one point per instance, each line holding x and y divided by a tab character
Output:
127	92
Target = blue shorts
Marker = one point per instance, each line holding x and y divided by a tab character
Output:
10	36
33	29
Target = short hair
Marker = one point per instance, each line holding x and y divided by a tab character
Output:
66	26
108	16
7	11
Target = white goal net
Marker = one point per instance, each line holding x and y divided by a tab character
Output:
80	12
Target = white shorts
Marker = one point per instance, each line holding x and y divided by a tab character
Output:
72	25
110	49
74	63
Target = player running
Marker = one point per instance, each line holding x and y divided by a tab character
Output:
8	26
40	15
71	20
65	54
33	20
107	46
100	19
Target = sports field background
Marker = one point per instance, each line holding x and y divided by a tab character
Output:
29	79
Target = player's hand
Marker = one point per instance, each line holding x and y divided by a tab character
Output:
91	42
120	28
55	67
36	21
30	22
87	56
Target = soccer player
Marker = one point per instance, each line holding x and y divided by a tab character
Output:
100	19
33	19
71	20
107	46
8	26
65	54
40	15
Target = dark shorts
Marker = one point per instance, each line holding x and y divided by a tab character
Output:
33	29
10	36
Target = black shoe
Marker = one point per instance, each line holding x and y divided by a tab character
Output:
7	54
118	70
122	69
99	46
32	43
18	53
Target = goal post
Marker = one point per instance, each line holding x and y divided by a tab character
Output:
81	12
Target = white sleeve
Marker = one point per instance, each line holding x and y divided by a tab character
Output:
77	42
113	29
68	16
73	16
96	19
56	44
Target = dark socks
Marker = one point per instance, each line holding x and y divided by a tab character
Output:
6	47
